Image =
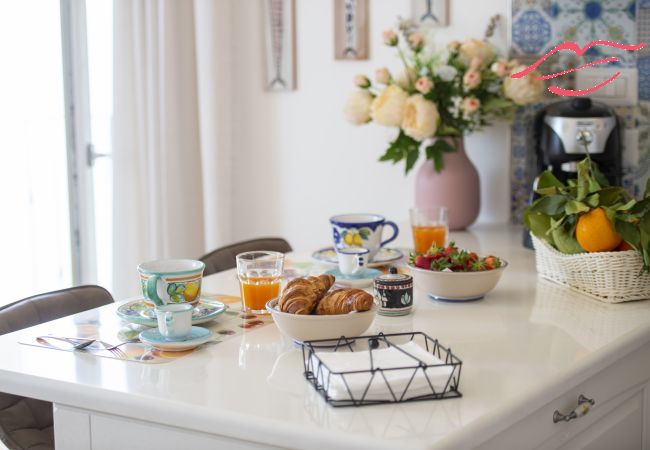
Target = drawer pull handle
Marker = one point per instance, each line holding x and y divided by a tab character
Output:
584	405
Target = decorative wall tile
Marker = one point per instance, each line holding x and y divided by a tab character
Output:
643	29
644	77
531	32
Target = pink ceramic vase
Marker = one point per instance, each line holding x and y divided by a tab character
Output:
456	187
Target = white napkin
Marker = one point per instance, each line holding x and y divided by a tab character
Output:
384	358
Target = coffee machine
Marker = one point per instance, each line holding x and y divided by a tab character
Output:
565	131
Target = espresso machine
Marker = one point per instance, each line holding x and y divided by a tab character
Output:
564	132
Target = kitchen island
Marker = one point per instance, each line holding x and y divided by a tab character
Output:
528	348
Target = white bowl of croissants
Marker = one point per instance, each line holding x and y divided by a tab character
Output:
309	310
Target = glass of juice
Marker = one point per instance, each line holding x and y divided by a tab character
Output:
260	275
430	226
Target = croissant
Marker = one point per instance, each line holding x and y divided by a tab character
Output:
343	301
301	295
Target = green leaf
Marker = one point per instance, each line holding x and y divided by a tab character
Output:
629	233
411	159
557	223
437	161
627	206
593	200
547	179
402	147
610	195
497	103
575	207
435	152
551	205
547	191
538	224
584	167
647	188
610	213
565	242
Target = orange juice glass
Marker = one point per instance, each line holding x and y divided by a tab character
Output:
429	226
260	275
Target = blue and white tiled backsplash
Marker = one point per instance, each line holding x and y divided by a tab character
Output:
538	26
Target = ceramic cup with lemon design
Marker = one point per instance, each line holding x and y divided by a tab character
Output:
361	230
171	281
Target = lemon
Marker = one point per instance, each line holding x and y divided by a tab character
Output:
348	238
191	291
357	240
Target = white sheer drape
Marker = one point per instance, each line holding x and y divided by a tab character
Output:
166	151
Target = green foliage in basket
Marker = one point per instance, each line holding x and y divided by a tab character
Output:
554	216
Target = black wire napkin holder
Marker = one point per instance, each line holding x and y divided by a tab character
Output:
319	375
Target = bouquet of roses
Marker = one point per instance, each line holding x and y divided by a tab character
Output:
441	93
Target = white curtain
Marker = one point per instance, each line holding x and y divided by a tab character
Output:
171	164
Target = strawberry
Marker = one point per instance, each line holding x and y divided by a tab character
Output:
424	261
491	262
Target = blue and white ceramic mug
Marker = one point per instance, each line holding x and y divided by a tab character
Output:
361	230
174	320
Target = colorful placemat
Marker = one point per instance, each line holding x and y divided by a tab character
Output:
112	329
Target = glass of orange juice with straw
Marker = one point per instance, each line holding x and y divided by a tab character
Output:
430	226
260	275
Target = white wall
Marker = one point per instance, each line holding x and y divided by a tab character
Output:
296	161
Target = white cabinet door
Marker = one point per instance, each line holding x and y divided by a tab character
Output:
621	428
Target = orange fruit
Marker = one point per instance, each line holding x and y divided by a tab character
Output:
623	246
595	233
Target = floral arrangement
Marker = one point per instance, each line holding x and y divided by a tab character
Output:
441	93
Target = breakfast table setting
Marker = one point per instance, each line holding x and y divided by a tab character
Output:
310	349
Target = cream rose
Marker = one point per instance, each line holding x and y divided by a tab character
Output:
406	78
357	108
453	45
420	117
386	108
476	48
526	90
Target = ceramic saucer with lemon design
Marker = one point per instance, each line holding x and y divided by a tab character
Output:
383	257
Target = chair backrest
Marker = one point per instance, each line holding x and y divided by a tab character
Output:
224	258
51	305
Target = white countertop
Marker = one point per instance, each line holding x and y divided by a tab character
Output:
519	346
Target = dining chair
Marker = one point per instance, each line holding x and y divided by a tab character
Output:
224	258
27	423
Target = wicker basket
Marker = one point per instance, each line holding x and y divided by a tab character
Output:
611	277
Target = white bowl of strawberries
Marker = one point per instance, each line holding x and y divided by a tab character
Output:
452	274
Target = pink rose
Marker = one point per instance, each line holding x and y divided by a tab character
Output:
361	81
472	79
382	76
416	41
424	85
390	38
471	104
